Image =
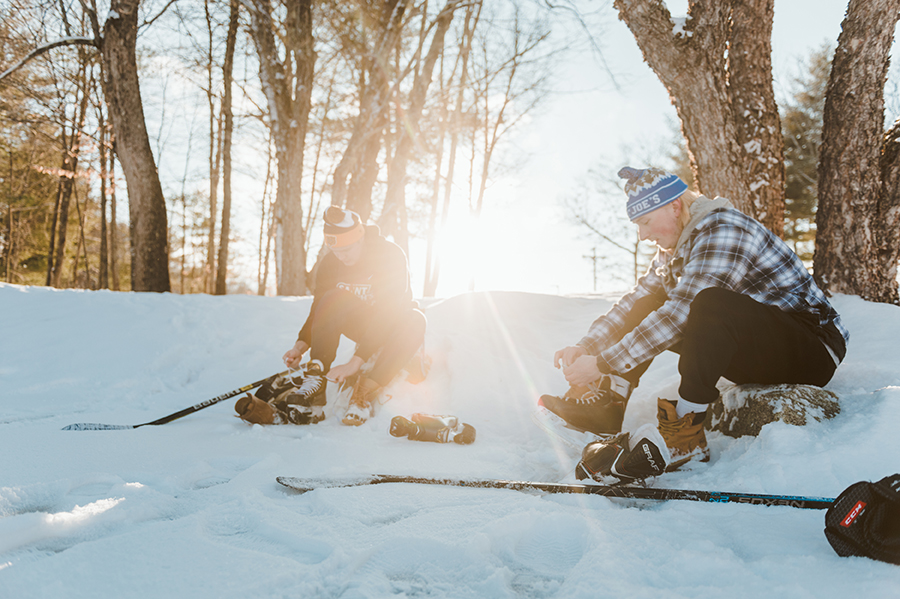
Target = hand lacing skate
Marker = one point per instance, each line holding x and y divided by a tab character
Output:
598	407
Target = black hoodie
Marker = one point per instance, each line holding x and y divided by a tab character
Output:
380	278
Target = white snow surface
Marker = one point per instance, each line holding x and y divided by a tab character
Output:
192	509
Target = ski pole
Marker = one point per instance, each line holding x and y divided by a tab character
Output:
91	426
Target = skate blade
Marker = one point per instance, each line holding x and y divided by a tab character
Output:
560	430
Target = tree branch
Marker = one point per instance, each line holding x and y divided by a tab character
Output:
149	22
68	41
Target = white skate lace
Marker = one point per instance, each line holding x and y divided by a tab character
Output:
617	385
310	385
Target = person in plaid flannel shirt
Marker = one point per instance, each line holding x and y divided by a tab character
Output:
723	292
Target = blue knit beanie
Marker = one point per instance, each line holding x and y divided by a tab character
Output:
649	189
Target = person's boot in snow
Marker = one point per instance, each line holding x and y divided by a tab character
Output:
626	457
598	408
365	393
437	429
684	435
255	411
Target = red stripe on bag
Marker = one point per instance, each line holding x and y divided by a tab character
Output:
852	514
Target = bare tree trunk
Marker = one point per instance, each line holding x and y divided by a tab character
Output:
51	252
430	286
9	241
103	276
859	206
215	155
227	69
355	174
216	138
63	199
265	229
718	74
755	111
887	256
315	195
287	85
71	153
147	206
82	245
114	228
473	16
393	219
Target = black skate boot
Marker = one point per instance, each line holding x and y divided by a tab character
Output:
626	457
304	402
598	408
311	391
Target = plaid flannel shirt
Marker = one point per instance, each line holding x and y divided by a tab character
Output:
726	249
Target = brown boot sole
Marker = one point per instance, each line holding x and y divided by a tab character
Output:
353	420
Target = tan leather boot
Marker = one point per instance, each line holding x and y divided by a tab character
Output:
254	410
684	436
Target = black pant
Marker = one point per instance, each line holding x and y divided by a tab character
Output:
733	336
398	333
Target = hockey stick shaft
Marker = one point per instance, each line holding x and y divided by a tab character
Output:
303	485
176	415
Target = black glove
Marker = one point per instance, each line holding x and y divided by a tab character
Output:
864	520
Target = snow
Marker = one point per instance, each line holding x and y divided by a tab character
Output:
192	509
678	27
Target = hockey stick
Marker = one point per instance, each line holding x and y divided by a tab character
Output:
817	503
91	426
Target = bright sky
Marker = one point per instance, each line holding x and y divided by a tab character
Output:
530	247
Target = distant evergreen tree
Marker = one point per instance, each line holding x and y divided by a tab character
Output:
801	123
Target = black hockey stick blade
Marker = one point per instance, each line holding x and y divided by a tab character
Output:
817	503
92	426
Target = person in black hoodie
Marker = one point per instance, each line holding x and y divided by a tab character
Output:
362	291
